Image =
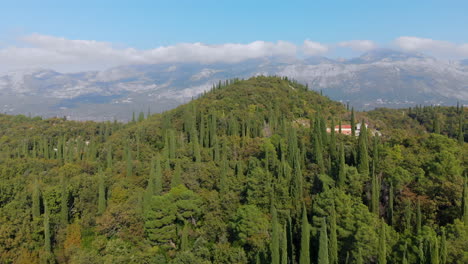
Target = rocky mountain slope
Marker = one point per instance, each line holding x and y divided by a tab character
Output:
380	78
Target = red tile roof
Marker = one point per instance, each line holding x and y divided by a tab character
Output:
343	126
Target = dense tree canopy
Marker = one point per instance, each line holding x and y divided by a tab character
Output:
246	173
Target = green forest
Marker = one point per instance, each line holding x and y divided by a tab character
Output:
245	173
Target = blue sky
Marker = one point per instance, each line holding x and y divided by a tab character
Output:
145	25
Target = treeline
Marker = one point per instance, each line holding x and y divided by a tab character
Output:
246	173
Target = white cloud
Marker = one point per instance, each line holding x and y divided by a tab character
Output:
358	45
71	55
63	54
433	47
311	48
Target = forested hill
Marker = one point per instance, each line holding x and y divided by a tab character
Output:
246	173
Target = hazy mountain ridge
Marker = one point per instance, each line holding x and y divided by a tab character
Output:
377	78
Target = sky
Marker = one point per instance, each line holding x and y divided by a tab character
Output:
90	35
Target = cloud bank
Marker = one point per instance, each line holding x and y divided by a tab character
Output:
437	48
63	54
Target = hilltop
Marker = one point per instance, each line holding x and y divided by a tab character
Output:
244	173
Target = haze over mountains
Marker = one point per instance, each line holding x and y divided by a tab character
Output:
379	78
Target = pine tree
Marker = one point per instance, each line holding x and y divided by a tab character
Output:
323	244
275	238
382	256
36	200
101	193
305	239
342	169
333	237
353	123
47	241
184	244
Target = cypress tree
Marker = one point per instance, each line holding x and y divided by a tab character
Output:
418	217
275	238
435	259
465	203
129	160
158	177
342	168
36	200
390	204
375	194
284	246
332	141
421	255
305	239
176	176
212	129
196	148
296	185
461	135
404	258
172	144
353	123
333	237
109	157
141	116
436	124
64	202
382	256
408	215
443	248
318	156
223	184
323	244
47	245
202	130
363	157
101	193
359	259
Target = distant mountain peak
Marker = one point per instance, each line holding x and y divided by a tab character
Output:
386	55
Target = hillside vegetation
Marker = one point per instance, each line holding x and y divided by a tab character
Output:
246	173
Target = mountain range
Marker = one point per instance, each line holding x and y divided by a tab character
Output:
379	78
